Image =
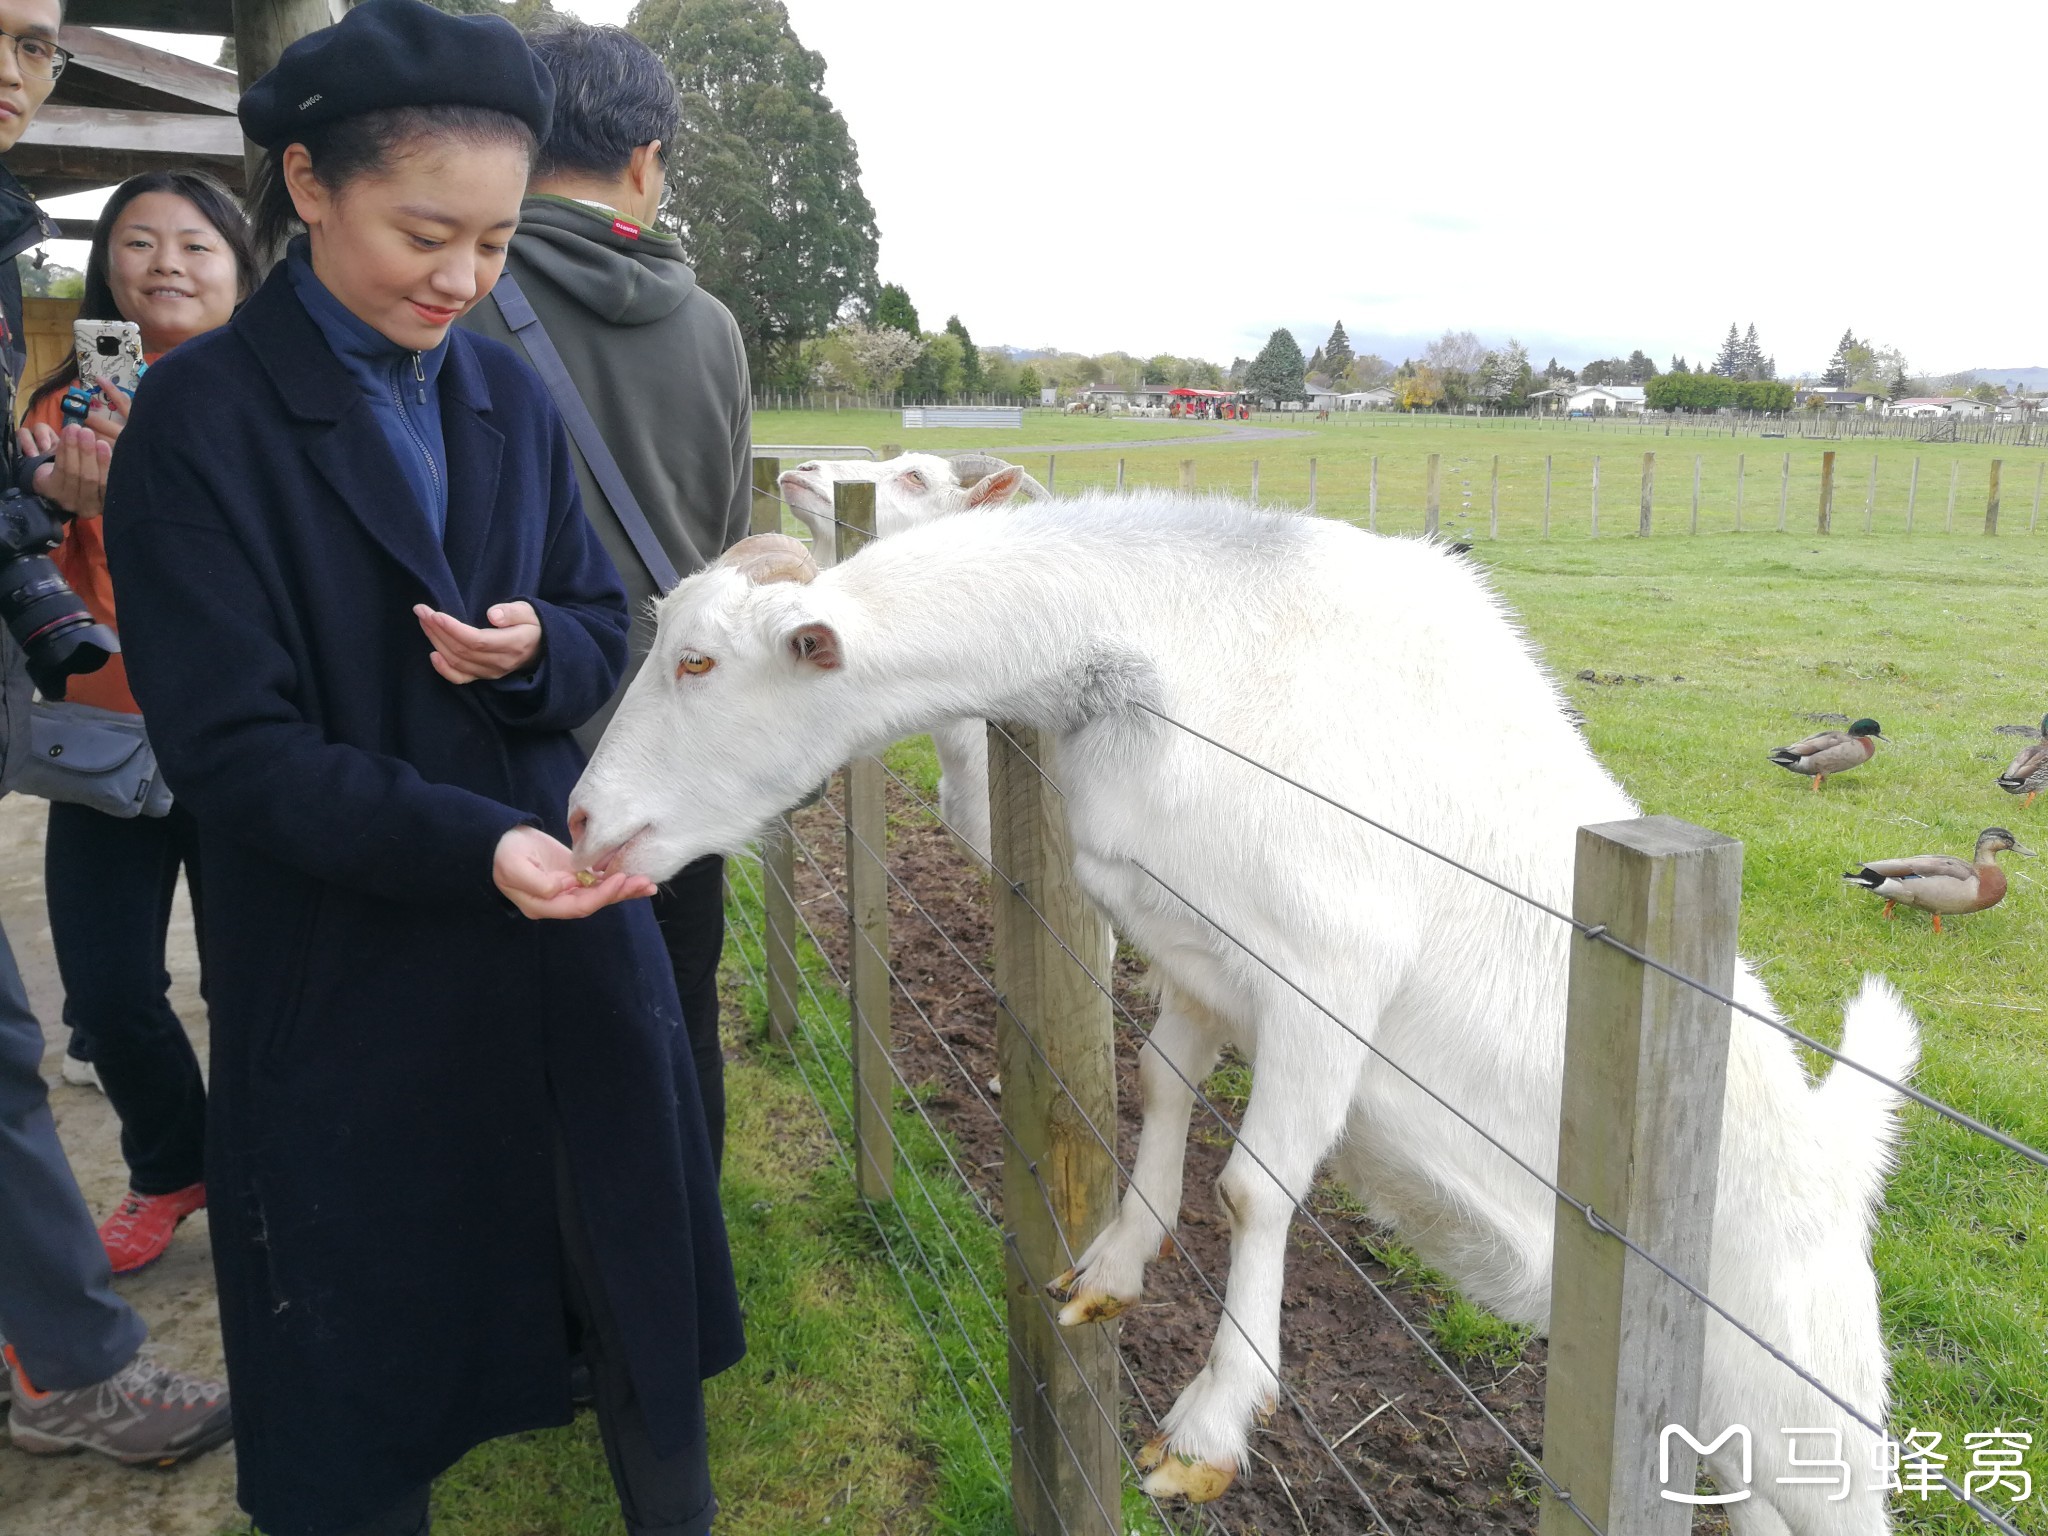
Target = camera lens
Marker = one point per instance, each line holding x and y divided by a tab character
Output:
55	631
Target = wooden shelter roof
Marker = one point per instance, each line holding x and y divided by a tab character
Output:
123	108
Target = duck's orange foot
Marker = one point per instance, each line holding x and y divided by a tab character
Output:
1818	780
1888	910
1937	922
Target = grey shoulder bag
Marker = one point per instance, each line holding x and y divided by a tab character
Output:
100	758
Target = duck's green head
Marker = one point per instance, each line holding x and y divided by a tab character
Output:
2044	725
1867	727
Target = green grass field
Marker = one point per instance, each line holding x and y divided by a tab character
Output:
1344	448
844	1409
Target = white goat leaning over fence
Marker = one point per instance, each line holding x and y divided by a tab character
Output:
911	490
1347	661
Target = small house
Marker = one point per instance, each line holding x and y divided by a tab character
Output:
1607	399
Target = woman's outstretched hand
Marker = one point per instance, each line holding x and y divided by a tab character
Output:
537	875
464	654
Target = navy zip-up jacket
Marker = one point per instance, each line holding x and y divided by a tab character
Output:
401	386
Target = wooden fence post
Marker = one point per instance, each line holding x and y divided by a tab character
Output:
1784	490
778	863
1255	482
1546	495
1912	492
1187	476
1870	495
867	901
1053	1028
1645	1075
1695	493
1493	502
1372	497
1827	491
1432	502
1119	476
1649	494
1991	501
1052	469
2034	516
1955	478
1596	495
1311	485
1741	464
891	450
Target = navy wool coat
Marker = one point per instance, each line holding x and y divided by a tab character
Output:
395	1049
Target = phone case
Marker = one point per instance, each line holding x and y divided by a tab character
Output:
109	351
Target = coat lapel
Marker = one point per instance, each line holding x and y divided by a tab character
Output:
344	442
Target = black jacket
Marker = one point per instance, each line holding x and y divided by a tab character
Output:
391	1042
661	366
22	225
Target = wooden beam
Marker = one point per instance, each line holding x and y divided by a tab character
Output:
179	84
265	28
214	16
191	134
80	149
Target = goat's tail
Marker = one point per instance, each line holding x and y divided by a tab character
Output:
1854	1111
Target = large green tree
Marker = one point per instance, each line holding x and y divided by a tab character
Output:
970	355
892	309
1279	372
764	180
1337	352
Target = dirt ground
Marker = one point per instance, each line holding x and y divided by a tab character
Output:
1405	1432
88	1495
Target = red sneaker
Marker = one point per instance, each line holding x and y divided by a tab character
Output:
140	1229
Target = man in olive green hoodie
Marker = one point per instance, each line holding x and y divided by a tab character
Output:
660	365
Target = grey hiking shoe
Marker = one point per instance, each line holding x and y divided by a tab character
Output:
144	1415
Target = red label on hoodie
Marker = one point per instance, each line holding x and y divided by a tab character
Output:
625	229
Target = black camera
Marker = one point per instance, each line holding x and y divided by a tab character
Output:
56	632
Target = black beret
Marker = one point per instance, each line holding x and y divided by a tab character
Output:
398	53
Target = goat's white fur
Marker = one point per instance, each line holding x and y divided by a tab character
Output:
911	490
1347	661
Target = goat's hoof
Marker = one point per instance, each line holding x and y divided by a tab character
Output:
1091	1307
1167	1247
1170	1476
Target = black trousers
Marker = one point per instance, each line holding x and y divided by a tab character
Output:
691	912
659	1496
109	885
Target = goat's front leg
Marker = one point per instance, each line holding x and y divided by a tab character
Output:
1180	1052
1301	1092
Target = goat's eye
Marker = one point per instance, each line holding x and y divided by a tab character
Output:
694	664
915	477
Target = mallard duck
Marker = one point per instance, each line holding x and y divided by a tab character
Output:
2029	771
1831	752
1936	883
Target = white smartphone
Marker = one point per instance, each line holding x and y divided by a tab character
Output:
109	352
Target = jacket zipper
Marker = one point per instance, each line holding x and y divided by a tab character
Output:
419	440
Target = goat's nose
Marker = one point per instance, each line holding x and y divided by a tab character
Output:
579	822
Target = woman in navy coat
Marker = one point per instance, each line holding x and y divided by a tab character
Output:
439	1129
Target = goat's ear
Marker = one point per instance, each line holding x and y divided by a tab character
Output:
815	645
993	490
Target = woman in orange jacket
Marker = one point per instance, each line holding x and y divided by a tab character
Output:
172	253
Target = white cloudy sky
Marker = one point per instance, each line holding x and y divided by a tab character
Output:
1185	175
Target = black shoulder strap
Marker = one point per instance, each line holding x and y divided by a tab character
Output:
547	362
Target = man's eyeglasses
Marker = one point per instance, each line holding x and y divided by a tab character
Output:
38	56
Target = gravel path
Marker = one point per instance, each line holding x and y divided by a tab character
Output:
43	1496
